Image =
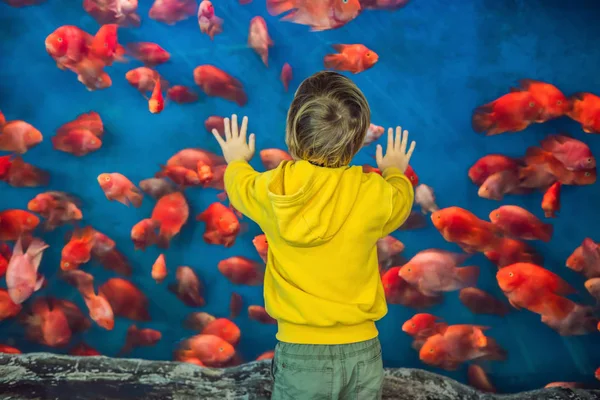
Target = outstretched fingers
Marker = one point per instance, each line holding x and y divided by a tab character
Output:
244	129
227	127
218	137
235	133
252	142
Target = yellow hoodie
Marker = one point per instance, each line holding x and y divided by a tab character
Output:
322	281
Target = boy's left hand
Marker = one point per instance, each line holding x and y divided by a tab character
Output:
234	146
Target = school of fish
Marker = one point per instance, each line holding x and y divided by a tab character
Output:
419	283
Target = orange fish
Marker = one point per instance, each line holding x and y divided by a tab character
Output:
180	175
172	11
157	102
267	355
105	42
210	350
259	39
14	223
509	251
258	313
462	227
242	271
215	122
19	136
75	317
585	109
286	76
421	326
520	223
479	379
143	234
537	156
78	142
182	94
223	328
235	305
536	289
189	158
22	174
100	309
218	83
149	53
8	308
125	299
480	302
117	187
551	200
90	121
68	45
78	250
271	158
198	320
353	58
586	259
90	72
84	350
320	15
46	323
489	165
188	288
552	101
261	245
222	225
159	269
512	112
57	207
9	349
139	337
144	79
172	212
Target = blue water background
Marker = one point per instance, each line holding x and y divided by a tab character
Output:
437	61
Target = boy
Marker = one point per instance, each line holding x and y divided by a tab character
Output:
322	220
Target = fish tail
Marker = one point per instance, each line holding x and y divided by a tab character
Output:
163	239
276	7
135	196
482	120
546	232
468	275
536	155
557	307
333	61
493	351
240	97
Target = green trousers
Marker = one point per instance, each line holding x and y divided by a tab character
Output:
327	372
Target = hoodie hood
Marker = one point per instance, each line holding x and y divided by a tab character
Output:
311	203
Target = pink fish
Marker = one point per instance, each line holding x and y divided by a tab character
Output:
271	158
21	274
574	154
373	133
286	76
172	11
207	20
259	39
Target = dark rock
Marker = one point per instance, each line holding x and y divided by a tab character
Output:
53	376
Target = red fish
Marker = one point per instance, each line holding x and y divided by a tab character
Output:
90	121
104	44
552	101
84	350
421	326
144	79
14	223
286	76
180	175
271	158
189	288
411	175
433	271
398	291
520	223
222	225
140	337
258	38
512	112
208	22
210	350
22	174
125	299
480	302
143	234
157	102
5	164
261	245
182	94
508	251
267	355
320	15
78	142
353	58
78	250
172	212
189	158
99	307
462	227
586	259
218	83
242	271
117	187
258	313
223	328
57	207
151	54
172	11
479	379
159	269
47	324
551	200
536	289
489	165
499	184
68	45
8	308
373	134
19	136
215	122
235	305
120	12
572	153
537	156
585	109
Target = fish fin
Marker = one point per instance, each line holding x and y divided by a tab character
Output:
163	239
557	307
516	89
222	196
122	199
494	352
135	196
515	305
333	61
577	96
546	232
482	119
18	250
39	283
526	83
340	47
468	275
536	155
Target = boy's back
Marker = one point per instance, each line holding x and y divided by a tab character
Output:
322	220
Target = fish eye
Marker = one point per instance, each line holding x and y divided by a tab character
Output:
431	350
221	349
107	179
66	264
368	54
413	325
60	39
412	178
345	1
589	160
559	103
409	270
497	215
531	104
93	141
587	174
510	274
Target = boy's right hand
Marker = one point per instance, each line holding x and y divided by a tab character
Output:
396	154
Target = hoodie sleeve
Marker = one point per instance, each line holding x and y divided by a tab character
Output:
243	185
401	198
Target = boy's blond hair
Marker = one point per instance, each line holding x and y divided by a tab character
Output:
327	121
